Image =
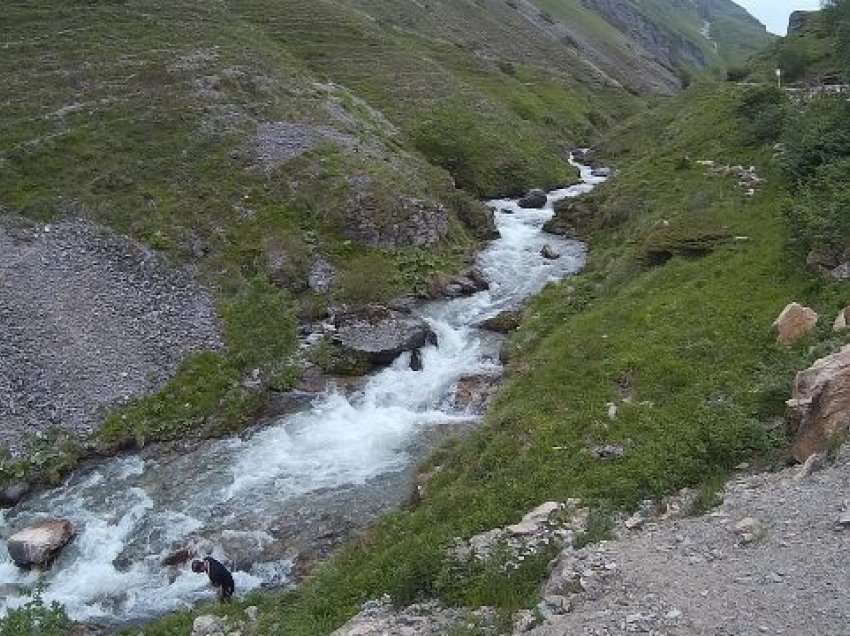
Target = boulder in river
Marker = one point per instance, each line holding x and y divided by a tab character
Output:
548	252
534	199
381	334
472	392
38	544
469	282
819	408
793	323
505	322
603	173
12	493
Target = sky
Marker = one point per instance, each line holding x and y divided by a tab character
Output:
774	13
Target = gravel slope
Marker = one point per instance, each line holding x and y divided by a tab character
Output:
702	575
88	319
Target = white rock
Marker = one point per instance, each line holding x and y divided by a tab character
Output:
533	520
252	613
749	529
208	625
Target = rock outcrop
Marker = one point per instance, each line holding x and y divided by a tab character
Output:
800	21
842	320
38	544
793	323
819	409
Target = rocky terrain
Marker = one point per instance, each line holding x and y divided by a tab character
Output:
767	560
89	321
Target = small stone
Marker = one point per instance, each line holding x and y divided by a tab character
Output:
673	614
749	530
208	625
612	410
252	612
844	518
635	522
524	621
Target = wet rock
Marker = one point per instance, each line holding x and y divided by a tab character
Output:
602	173
416	360
12	493
548	252
793	323
311	380
534	199
819	408
470	282
381	334
177	557
38	544
472	392
505	322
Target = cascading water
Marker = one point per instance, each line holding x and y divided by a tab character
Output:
345	456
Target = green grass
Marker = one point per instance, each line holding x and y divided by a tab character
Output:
689	342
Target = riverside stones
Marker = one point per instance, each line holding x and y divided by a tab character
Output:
819	408
793	323
38	544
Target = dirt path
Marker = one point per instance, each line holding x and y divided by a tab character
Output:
785	574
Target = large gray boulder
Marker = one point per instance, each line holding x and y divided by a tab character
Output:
381	334
534	199
38	544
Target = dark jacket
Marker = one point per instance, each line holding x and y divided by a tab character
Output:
220	577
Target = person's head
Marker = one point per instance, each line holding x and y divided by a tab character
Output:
199	566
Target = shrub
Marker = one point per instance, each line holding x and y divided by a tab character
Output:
763	110
816	136
820	214
36	619
737	73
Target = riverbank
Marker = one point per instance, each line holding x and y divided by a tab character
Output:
672	364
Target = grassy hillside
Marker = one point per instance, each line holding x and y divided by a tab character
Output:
683	346
165	121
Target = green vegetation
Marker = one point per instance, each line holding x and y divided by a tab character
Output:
688	342
35	619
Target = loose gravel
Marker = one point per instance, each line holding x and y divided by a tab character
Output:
88	320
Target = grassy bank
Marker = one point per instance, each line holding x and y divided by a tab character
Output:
683	348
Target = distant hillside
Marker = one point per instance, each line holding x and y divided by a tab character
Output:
267	140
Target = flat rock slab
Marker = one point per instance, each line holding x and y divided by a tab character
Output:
382	334
89	320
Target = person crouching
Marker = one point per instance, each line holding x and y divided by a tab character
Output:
219	575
